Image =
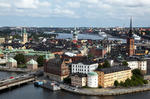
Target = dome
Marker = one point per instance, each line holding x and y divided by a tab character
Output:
32	62
92	74
11	60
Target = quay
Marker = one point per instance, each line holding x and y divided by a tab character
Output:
8	83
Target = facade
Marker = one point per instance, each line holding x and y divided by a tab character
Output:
56	69
107	76
92	79
32	65
98	52
130	46
78	80
11	63
2	40
138	64
83	67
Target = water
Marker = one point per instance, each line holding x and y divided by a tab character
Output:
87	36
30	92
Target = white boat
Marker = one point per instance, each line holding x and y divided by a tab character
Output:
136	37
103	34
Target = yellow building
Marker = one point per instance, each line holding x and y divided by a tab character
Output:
107	76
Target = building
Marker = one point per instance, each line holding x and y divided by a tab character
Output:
92	79
11	63
83	67
25	37
136	63
107	76
2	40
56	69
75	35
130	42
32	65
78	80
98	51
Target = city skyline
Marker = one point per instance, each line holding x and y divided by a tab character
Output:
70	13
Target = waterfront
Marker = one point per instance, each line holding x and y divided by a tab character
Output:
30	92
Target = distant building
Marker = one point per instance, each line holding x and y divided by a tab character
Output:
98	51
2	40
83	67
25	37
56	69
130	42
92	79
32	65
11	63
107	76
78	80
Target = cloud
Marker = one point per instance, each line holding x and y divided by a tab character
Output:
5	5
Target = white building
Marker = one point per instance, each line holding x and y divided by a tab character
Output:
84	68
92	79
138	64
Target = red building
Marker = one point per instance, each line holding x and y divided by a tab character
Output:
56	69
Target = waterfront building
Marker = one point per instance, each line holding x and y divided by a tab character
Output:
130	41
56	69
32	65
92	79
107	76
83	66
136	63
11	63
78	80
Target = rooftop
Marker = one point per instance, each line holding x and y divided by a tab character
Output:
114	69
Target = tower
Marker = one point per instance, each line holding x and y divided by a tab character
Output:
130	41
75	35
25	37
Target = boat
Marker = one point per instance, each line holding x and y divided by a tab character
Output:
103	34
136	37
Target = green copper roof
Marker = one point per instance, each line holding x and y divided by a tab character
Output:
32	62
92	74
25	31
11	60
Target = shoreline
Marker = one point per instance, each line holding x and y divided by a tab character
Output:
108	91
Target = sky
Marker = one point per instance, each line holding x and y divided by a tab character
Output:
74	13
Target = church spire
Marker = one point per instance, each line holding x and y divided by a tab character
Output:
131	29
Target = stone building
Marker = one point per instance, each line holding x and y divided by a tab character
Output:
12	63
56	69
32	65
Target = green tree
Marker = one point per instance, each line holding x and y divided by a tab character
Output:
20	58
137	72
116	83
106	64
40	61
124	63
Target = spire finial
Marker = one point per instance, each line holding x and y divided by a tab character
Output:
131	29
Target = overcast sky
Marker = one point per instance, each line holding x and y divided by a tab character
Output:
68	13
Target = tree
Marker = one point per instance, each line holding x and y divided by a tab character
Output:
106	64
40	61
137	72
124	63
20	58
116	83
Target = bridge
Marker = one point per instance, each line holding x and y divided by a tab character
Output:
15	82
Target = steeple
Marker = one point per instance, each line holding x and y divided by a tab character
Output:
25	31
131	29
